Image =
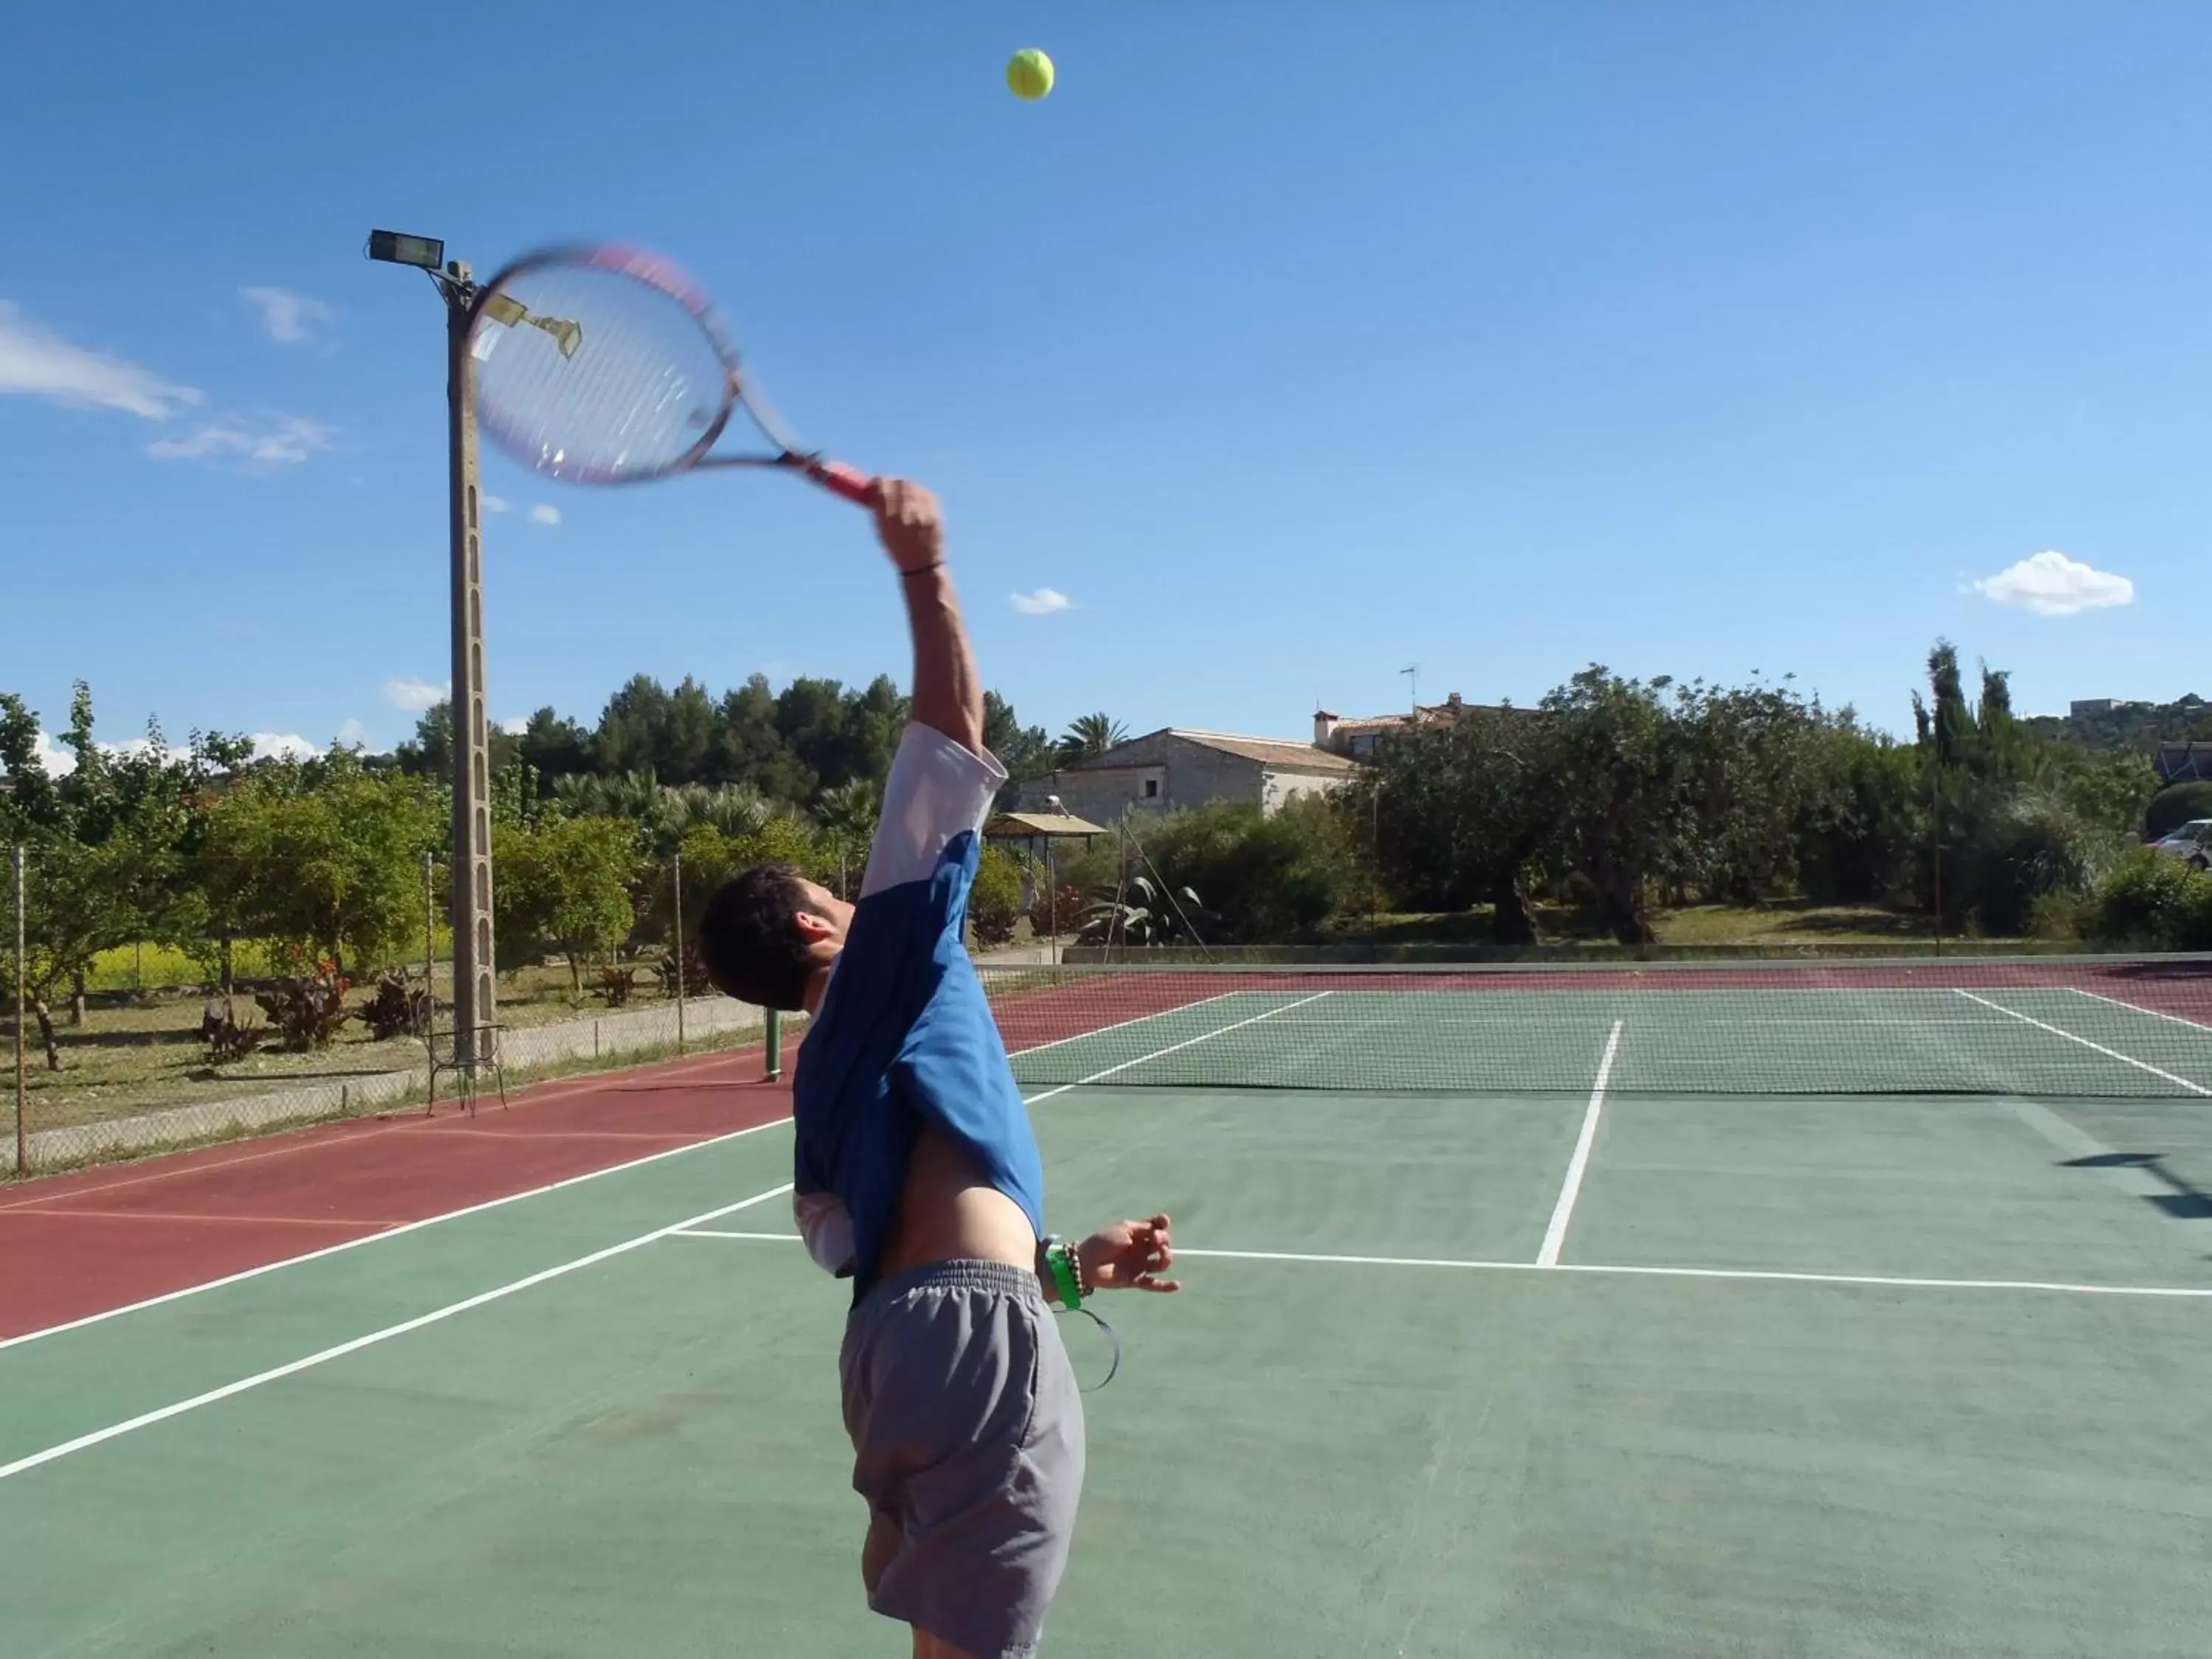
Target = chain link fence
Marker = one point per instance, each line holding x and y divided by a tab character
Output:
159	1044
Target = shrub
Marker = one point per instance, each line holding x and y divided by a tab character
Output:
398	1007
2152	901
306	1009
615	984
690	965
1269	880
2018	853
2175	806
1059	911
994	903
227	1037
1144	912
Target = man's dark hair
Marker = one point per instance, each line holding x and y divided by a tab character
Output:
754	953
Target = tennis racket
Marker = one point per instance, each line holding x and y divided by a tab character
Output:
603	364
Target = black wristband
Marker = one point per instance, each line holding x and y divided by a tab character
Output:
922	569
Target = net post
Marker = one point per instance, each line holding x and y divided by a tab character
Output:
774	1040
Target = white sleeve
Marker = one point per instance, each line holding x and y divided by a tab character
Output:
937	790
827	1229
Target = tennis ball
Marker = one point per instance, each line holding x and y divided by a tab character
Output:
1030	73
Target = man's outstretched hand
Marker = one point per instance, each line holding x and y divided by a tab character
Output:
1129	1256
909	524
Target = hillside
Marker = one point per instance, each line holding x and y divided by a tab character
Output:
2138	726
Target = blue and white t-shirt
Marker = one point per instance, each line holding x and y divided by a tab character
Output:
904	1035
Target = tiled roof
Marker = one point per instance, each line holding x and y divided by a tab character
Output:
1269	752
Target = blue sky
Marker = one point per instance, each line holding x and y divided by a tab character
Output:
1293	343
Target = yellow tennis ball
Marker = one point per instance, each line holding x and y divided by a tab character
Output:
1030	73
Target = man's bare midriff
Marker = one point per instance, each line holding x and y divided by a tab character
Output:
950	1214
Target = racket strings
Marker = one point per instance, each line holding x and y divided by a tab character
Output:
645	387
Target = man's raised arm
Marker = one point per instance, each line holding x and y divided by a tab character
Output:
948	694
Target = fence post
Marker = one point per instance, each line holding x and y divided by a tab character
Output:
21	1084
430	931
677	950
774	1040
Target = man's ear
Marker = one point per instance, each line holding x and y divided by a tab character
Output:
813	928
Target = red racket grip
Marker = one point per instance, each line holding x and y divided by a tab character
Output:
841	480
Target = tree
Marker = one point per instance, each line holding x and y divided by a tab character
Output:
31	802
751	748
1756	756
1026	752
848	815
1862	830
103	841
565	886
555	746
1089	736
2175	806
1455	813
1625	770
429	752
334	868
78	902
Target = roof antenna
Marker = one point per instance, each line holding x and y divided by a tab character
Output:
1412	673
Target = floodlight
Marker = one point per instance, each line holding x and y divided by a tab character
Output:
397	248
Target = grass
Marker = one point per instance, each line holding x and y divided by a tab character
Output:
1782	921
413	1098
1792	921
141	1052
164	967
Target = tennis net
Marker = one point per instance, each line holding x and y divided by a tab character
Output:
2083	1026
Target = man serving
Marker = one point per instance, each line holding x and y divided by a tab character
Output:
918	1175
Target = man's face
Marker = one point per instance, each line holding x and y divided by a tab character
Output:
823	918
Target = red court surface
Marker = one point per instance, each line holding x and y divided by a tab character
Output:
74	1246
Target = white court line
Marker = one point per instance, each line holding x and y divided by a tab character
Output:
239	1277
2197	1026
2113	1053
147	1419
1134	1019
339	1351
1175	1048
2185	1292
1756	1275
1563	1210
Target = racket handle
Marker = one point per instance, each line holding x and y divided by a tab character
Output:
841	480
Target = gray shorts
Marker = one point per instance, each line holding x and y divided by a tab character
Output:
967	1431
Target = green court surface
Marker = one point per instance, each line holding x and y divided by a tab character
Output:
1590	1373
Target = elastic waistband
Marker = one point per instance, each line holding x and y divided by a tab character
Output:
958	1275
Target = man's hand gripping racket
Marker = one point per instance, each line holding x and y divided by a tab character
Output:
602	364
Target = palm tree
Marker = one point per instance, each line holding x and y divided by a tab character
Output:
735	809
1089	736
852	808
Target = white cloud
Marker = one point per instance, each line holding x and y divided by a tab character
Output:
276	440
545	515
1042	603
515	728
36	362
287	316
492	503
416	696
283	745
2051	585
59	763
352	734
143	746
